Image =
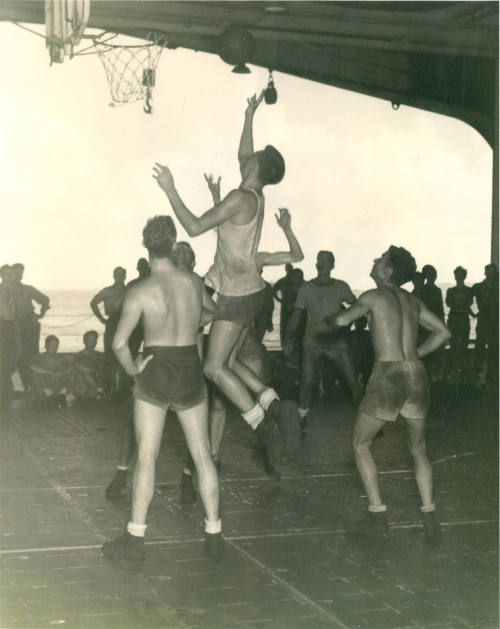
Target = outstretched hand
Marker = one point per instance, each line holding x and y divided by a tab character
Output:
140	363
253	102
213	186
283	219
163	176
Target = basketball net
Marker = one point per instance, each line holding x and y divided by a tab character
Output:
130	70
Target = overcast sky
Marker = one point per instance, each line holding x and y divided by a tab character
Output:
77	186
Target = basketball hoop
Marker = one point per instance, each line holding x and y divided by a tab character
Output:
130	69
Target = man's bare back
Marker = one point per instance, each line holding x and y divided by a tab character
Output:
170	304
394	319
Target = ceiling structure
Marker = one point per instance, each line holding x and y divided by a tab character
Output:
438	56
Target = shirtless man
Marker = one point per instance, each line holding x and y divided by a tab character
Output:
112	298
169	374
398	383
236	278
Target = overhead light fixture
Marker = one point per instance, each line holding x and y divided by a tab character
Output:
276	8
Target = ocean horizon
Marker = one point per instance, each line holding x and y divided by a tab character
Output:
70	317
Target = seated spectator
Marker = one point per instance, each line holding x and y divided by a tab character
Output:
88	369
52	374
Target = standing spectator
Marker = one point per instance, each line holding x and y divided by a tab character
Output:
418	281
28	320
459	299
112	298
285	292
10	342
432	297
486	295
320	297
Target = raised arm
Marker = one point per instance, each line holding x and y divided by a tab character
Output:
196	225
214	187
439	333
131	313
245	149
294	254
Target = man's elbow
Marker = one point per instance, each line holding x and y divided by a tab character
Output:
194	230
118	345
298	257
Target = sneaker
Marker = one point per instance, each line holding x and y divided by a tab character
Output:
373	525
214	544
288	419
128	547
269	435
117	485
188	492
432	528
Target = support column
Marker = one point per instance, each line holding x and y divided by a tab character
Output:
494	210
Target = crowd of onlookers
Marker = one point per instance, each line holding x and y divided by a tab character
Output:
306	340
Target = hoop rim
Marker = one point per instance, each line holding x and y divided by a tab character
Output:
147	44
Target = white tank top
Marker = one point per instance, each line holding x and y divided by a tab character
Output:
234	272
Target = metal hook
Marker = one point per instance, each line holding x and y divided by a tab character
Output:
148	108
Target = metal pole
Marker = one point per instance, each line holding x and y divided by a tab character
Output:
494	209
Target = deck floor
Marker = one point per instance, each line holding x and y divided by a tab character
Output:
289	562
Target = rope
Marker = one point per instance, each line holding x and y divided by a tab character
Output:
68	325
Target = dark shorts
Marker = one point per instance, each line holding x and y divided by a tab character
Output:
241	310
396	388
173	378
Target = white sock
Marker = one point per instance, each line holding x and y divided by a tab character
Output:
137	530
254	416
377	508
303	412
267	397
213	526
428	508
122	468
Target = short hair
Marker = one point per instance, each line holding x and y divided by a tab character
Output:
90	333
329	254
159	236
271	165
403	265
18	265
493	266
4	268
428	268
119	268
50	338
187	247
460	270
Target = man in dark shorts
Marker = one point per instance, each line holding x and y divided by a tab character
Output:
168	375
398	383
235	276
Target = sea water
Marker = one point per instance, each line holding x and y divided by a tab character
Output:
70	317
